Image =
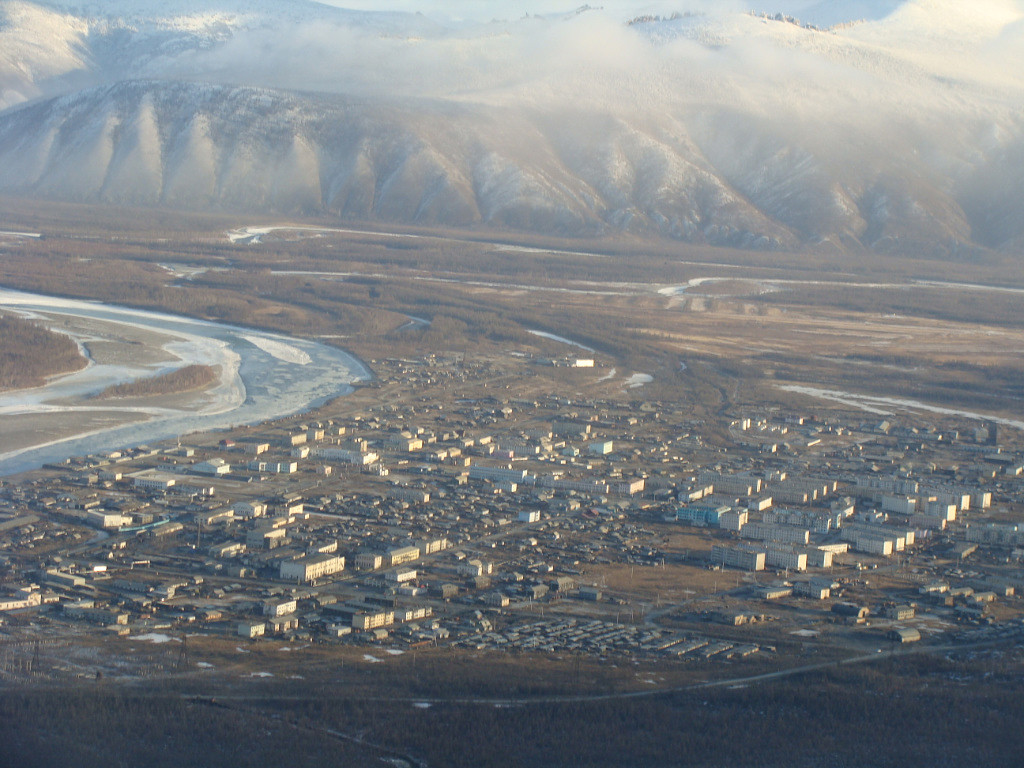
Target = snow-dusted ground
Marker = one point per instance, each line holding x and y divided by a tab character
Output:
633	288
415	322
263	376
676	290
253	235
561	339
155	637
765	285
638	380
186	271
969	286
884	406
768	286
278	349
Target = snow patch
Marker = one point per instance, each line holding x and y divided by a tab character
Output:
638	380
873	404
678	290
156	637
560	339
278	349
252	235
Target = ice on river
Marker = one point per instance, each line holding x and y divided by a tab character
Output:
264	376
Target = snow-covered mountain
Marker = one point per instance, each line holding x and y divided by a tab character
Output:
876	123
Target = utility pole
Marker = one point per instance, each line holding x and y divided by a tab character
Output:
183	653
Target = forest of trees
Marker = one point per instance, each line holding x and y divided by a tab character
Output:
29	353
932	711
185	379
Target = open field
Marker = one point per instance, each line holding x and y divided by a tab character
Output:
884	327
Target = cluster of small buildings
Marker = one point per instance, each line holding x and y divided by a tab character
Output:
392	522
603	638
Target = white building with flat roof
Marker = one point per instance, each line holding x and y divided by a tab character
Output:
212	467
251	629
400	575
150	480
747	559
312	567
401	555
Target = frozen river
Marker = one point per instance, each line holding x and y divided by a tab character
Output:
263	376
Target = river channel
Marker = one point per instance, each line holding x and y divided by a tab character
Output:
263	376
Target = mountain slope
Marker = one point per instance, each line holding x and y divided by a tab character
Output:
728	129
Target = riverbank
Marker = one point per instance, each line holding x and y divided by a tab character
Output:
262	376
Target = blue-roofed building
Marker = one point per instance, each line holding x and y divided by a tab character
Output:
701	514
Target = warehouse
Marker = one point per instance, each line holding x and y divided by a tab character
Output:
904	635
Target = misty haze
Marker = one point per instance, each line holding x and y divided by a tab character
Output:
898	129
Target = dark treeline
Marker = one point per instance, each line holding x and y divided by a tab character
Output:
182	380
928	711
95	726
29	353
859	718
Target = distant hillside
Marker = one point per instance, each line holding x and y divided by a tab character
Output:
900	133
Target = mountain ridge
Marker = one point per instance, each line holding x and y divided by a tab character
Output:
738	131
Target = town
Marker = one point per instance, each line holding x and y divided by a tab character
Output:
469	501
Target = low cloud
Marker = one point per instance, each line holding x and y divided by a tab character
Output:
943	70
592	59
